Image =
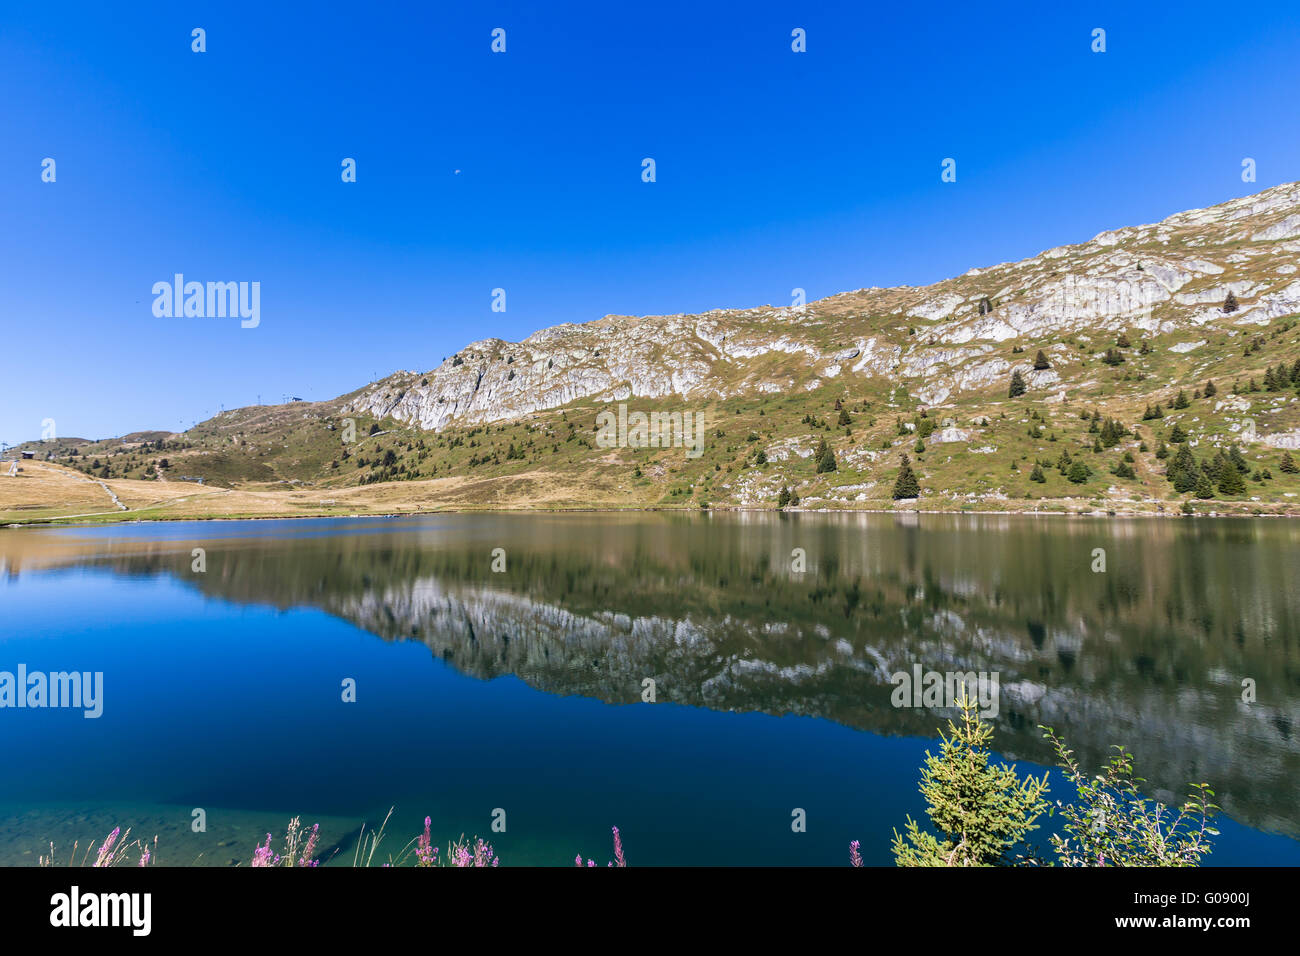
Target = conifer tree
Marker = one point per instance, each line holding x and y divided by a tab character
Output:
1018	386
825	458
982	813
906	484
1183	471
1237	459
1230	482
1040	361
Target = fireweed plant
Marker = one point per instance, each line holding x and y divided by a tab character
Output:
618	860
300	847
112	852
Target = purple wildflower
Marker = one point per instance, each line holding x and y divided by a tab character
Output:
310	847
426	854
105	855
618	849
263	855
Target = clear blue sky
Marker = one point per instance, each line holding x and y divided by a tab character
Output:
775	170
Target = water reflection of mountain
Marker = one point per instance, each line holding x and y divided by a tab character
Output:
1151	653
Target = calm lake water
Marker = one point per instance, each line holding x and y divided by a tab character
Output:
522	689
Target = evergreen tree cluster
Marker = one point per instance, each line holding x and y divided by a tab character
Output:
1222	473
1111	432
1282	378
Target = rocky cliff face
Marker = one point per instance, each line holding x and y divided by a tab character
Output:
938	341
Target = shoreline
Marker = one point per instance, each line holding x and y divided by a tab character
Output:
57	522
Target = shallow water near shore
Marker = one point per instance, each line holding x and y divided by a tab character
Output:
522	689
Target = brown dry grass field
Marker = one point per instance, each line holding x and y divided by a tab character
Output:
44	492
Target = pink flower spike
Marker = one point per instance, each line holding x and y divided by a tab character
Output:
105	855
618	848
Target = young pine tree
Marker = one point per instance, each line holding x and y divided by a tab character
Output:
982	813
1231	484
825	458
1183	471
906	484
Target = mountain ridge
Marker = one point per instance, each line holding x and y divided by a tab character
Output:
1175	336
1120	289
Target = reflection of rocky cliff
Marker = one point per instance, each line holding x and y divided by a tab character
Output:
731	664
1151	654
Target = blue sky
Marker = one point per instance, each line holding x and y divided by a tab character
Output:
775	170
